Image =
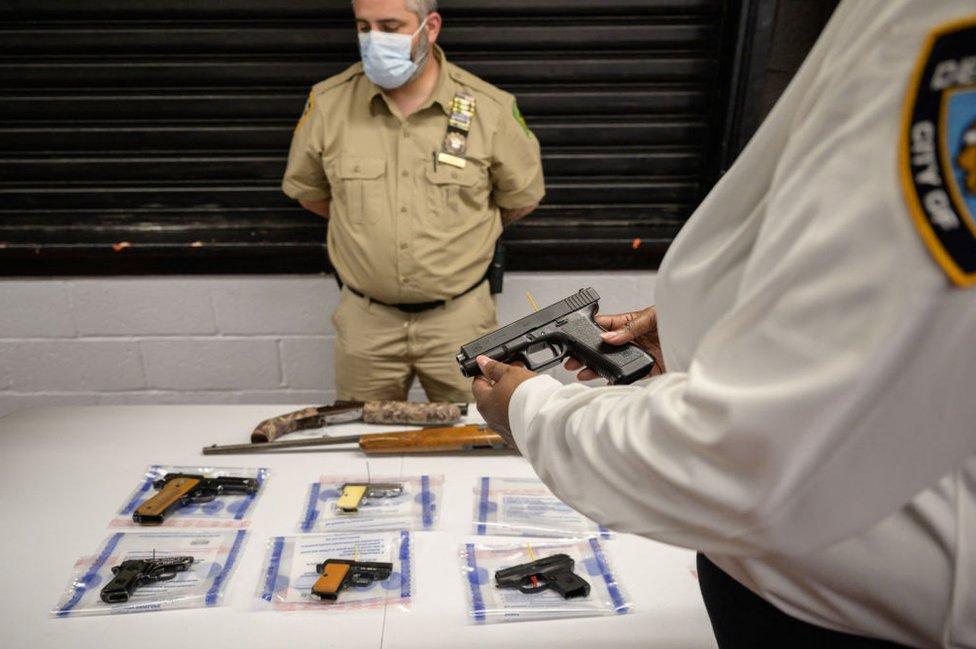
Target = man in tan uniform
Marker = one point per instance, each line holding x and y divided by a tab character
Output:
418	165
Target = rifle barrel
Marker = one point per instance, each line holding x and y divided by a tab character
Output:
263	447
428	440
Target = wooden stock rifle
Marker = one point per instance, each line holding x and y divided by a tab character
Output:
429	440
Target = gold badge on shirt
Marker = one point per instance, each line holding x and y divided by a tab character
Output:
938	149
455	146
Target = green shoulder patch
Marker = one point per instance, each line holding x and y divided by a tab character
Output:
937	151
521	120
309	105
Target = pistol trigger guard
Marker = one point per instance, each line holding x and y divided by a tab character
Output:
161	576
541	355
202	496
526	586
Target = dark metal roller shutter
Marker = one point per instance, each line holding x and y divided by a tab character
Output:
145	136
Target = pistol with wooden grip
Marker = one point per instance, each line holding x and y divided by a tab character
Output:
133	573
545	338
339	574
181	489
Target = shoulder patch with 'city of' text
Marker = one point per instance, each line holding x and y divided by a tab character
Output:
938	148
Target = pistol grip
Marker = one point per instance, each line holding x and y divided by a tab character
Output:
171	496
122	585
618	364
569	585
332	580
351	497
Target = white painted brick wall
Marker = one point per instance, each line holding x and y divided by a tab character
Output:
35	310
141	307
172	340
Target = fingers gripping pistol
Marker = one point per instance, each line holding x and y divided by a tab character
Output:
567	328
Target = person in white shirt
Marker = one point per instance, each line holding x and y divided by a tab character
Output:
814	433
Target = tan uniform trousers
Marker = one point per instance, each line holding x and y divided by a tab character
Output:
379	349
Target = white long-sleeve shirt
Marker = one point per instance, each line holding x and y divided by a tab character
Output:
815	433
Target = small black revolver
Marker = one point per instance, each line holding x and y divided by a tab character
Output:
133	573
181	489
555	572
567	328
337	574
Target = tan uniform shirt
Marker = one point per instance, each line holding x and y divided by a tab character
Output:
402	228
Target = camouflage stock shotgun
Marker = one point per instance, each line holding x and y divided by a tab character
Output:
402	413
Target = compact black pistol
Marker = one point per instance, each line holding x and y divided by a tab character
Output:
337	574
545	338
555	573
181	489
133	573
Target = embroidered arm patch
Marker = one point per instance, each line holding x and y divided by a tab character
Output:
938	148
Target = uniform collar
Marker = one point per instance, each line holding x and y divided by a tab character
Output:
442	95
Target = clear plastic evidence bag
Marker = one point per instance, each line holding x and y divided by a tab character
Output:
345	504
134	572
329	572
193	496
526	507
540	580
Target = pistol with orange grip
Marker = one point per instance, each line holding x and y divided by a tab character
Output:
338	574
181	489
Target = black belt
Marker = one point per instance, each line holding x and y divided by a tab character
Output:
414	307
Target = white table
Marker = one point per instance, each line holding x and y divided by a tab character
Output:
101	452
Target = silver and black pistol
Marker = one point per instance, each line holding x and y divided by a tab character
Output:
545	338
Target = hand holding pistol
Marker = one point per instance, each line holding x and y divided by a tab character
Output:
545	338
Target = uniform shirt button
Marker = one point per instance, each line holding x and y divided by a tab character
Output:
403	210
454	174
406	173
403	246
357	169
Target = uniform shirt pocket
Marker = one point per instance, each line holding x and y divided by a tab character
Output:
361	186
456	196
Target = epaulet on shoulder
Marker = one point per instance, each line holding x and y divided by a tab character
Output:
465	78
343	77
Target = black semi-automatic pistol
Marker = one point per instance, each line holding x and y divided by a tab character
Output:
337	574
133	573
567	328
555	572
181	489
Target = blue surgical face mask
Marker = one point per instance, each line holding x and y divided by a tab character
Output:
387	58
